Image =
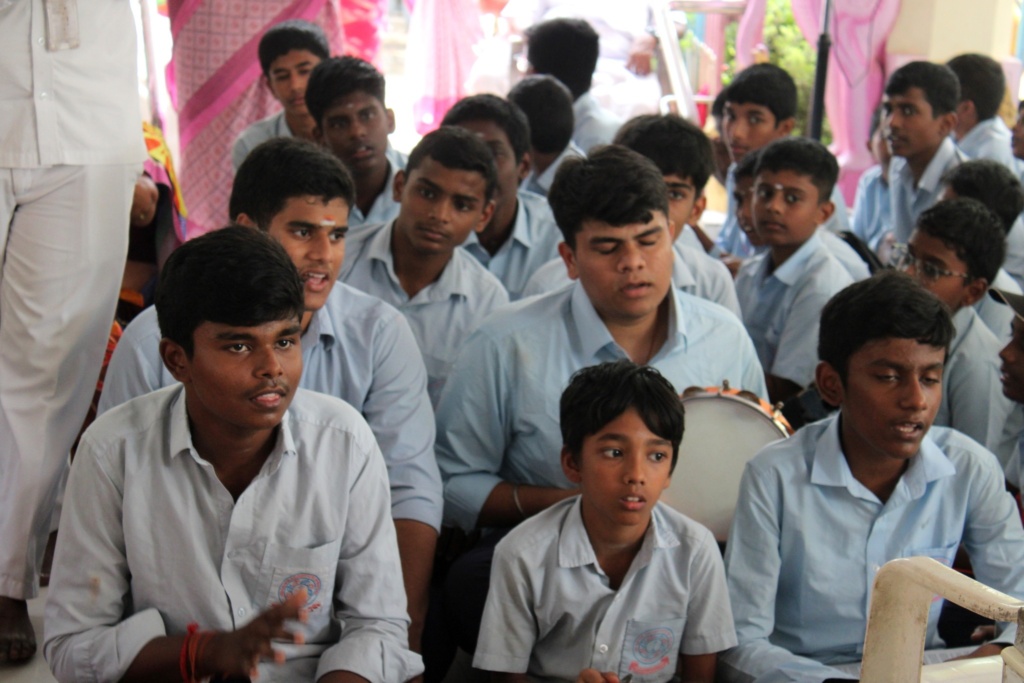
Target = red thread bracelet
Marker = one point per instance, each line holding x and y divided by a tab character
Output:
183	659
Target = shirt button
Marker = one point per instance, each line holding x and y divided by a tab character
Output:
602	648
241	611
40	40
43	95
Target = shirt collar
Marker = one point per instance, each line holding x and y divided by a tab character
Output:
321	327
594	335
790	272
520	230
181	436
454	280
984	129
576	550
682	276
544	180
932	175
829	467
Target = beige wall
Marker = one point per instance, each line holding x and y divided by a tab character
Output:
937	30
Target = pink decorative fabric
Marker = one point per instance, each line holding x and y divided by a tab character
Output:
439	56
856	74
750	33
214	79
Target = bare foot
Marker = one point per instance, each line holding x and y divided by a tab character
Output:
17	639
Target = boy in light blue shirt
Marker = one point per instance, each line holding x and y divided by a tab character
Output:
354	347
547	104
783	290
955	252
980	132
920	113
521	234
820	512
610	583
414	262
871	220
288	53
345	96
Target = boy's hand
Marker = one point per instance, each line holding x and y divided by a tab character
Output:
595	676
237	653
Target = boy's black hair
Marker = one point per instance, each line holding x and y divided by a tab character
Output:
565	48
282	168
972	230
887	305
456	148
614	185
937	81
747	166
981	81
601	393
547	104
294	34
718	106
674	144
502	113
338	77
235	276
766	85
992	184
803	156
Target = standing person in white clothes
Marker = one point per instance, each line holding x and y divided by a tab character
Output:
70	151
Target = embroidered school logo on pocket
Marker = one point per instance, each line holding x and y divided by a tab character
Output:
311	582
651	650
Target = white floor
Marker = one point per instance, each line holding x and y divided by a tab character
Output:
36	670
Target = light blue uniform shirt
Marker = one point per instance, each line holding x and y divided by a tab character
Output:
274	126
384	208
972	395
990	139
594	125
153	541
356	348
551	612
808	538
498	416
1013	264
781	309
541	183
693	272
871	209
907	202
533	242
442	315
732	239
996	316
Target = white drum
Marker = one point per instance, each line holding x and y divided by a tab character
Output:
722	433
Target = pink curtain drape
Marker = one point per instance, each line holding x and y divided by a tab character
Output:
856	73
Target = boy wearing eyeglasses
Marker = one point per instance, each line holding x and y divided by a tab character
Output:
783	290
955	251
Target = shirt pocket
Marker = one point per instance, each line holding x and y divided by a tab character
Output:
941	553
650	650
287	569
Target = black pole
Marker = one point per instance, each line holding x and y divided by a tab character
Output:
817	115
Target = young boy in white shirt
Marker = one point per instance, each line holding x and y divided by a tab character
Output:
232	525
609	584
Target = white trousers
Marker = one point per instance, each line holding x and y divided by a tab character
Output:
63	240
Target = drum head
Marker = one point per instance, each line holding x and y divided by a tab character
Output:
722	433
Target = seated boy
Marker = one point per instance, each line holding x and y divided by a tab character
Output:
288	53
683	154
610	581
871	220
498	433
920	112
354	347
954	252
744	175
182	510
783	290
760	105
548	107
1017	135
820	512
1011	371
568	50
414	263
345	96
980	132
521	233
